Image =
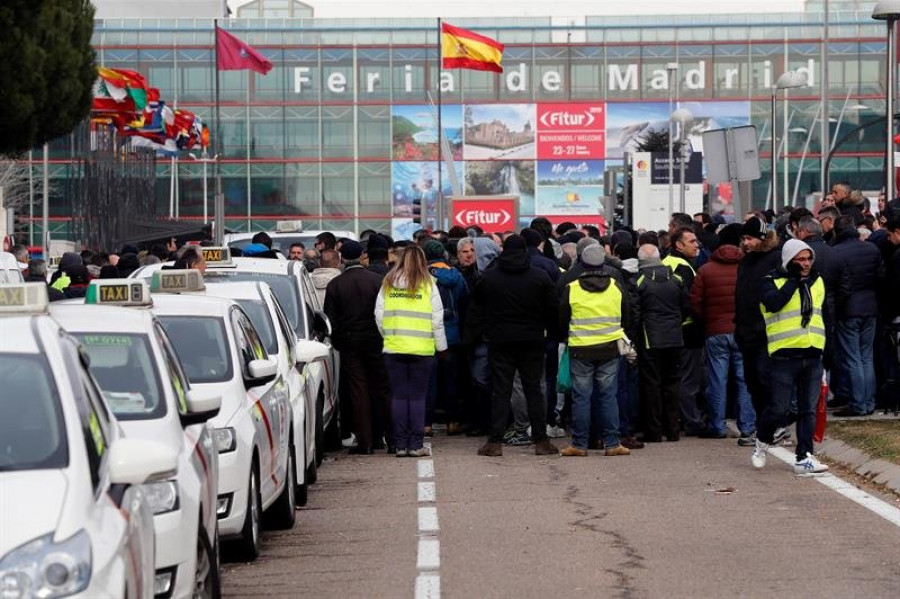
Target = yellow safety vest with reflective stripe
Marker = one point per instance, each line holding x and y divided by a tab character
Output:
596	316
407	321
783	328
674	262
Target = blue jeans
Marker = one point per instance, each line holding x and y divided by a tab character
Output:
722	357
856	341
594	389
800	377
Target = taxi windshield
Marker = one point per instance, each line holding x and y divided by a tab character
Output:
32	431
124	367
285	288
282	243
201	345
262	321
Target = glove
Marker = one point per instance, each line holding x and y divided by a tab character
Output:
793	269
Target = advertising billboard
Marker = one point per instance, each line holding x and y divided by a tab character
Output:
569	187
414	131
494	214
571	131
498	131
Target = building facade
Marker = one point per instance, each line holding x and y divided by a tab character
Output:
342	132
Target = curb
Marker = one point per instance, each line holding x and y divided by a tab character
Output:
879	471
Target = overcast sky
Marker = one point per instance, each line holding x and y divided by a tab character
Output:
558	8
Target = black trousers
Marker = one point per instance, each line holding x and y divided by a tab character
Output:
505	360
659	379
756	375
369	392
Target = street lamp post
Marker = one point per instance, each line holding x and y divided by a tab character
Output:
671	69
788	79
889	11
683	117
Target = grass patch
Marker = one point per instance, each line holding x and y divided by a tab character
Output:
878	438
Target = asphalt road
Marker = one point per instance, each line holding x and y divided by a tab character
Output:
687	519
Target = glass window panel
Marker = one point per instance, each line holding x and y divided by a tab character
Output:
302	132
337	132
337	190
266	132
374	132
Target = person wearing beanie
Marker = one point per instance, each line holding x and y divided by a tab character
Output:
535	243
350	299
79	279
761	256
68	260
663	305
127	264
793	309
377	254
856	311
595	312
712	299
518	307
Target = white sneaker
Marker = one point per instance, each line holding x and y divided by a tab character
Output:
809	465
781	433
349	441
422	452
555	432
758	457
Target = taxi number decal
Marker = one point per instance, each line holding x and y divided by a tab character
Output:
213	255
106	341
12	296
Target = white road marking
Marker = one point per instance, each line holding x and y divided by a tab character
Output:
426	468
426	492
428	520
870	502
429	554
428	586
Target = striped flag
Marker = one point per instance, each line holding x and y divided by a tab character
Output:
464	49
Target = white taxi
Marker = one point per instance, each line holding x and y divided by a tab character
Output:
144	385
296	294
222	354
74	518
293	359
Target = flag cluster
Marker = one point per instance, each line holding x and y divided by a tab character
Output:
123	99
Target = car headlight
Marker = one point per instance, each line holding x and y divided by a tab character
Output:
162	497
42	568
225	439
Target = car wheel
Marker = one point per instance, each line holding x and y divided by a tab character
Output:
283	511
207	584
248	546
320	429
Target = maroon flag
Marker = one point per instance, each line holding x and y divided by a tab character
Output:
235	55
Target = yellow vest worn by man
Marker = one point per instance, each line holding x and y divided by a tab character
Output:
596	315
407	321
785	330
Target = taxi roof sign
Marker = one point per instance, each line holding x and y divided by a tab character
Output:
118	292
216	255
23	297
289	226
177	281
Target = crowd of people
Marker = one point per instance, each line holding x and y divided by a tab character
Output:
613	339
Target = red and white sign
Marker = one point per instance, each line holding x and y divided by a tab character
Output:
492	213
571	131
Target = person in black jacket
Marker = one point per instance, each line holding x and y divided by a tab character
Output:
762	256
518	303
663	304
350	305
535	242
857	311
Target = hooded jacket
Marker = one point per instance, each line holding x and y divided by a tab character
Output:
774	299
516	302
712	296
749	326
452	286
598	280
663	305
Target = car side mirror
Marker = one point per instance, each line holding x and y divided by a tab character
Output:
137	461
307	351
321	325
261	372
200	408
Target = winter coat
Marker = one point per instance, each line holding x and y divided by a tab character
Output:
860	262
544	263
712	296
692	331
379	268
350	305
749	326
663	305
320	278
516	302
452	286
597	281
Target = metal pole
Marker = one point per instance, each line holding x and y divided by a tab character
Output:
45	220
683	156
30	198
785	139
774	152
219	208
671	150
205	196
172	189
824	129
891	67
809	135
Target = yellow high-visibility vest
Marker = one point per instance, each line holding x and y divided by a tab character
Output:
674	262
407	321
596	316
783	328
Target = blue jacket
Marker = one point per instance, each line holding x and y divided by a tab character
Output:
452	286
860	264
544	263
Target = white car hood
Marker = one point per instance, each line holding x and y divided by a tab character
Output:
31	504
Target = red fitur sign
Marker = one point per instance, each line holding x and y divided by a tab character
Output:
571	131
492	214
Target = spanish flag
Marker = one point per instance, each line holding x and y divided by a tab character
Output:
464	49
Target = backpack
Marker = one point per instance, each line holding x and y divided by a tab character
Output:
446	297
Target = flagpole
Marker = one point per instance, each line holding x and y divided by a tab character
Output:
219	205
439	202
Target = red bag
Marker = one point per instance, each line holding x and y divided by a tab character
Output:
821	414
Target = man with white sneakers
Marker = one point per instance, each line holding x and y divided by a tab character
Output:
793	299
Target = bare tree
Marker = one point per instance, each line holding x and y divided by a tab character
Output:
14	182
